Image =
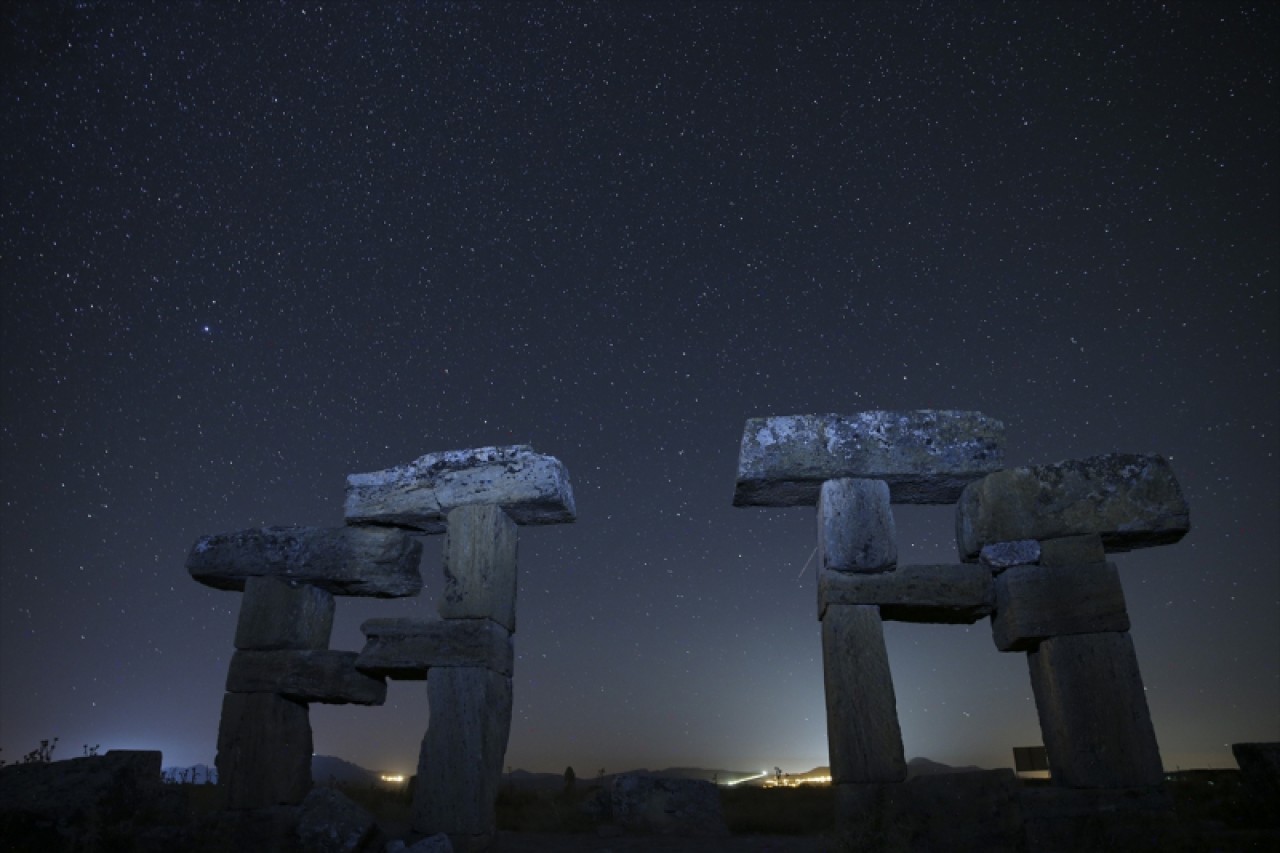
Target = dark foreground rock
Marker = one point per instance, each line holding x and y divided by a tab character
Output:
330	822
70	805
663	806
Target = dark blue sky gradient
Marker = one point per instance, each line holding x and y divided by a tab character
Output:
247	250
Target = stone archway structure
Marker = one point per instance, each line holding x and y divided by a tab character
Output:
289	576
1032	544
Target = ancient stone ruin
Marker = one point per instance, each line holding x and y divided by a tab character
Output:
289	576
1032	544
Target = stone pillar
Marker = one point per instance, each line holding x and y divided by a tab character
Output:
460	765
480	548
1093	712
264	751
856	532
863	736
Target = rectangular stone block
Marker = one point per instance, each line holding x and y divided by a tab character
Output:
855	526
480	566
323	676
957	594
405	649
280	614
1034	602
926	457
264	751
863	736
460	766
1130	500
1093	712
531	487
341	560
1072	550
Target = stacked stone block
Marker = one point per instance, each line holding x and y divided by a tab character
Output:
1032	543
853	469
1044	532
289	577
477	498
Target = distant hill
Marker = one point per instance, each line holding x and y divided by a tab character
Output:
326	769
925	767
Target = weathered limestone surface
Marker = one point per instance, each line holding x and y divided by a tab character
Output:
532	488
329	822
480	566
999	556
1130	500
1034	602
1093	712
325	676
855	526
926	457
1072	550
280	614
460	765
340	560
863	736
665	806
405	649
264	751
960	593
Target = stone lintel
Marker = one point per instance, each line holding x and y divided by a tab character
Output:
326	676
926	456
856	532
405	649
1035	602
1130	500
339	560
955	594
532	488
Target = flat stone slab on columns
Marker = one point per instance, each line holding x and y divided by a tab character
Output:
1035	602
956	594
532	488
326	676
281	614
405	649
460	765
863	736
1130	500
1093	712
264	751
340	560
926	456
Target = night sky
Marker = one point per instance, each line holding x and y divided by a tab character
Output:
249	249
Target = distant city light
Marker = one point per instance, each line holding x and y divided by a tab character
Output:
397	778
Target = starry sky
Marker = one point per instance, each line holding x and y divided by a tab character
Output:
248	249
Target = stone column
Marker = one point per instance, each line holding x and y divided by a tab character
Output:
863	736
1093	712
289	576
856	536
476	498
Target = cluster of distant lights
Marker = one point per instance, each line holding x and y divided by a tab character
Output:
392	778
786	781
